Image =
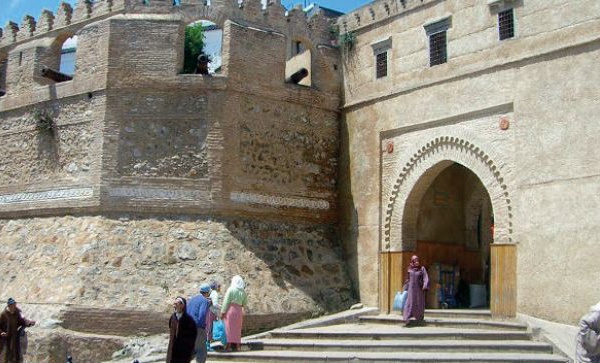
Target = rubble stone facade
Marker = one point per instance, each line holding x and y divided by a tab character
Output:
133	183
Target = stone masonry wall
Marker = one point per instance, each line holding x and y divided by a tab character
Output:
172	145
145	263
297	150
67	155
155	181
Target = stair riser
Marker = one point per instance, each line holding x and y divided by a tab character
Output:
457	316
465	325
403	336
441	359
423	349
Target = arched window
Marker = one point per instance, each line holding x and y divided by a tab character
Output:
68	56
202	48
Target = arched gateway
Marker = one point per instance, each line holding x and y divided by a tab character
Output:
403	202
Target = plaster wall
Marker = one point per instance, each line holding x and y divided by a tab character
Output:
543	82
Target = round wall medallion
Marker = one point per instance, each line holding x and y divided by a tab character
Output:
504	123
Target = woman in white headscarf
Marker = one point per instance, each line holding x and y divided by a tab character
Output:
588	338
232	312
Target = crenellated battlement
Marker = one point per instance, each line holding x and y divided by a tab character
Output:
105	29
274	17
84	12
377	11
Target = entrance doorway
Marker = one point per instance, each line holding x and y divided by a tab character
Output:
454	234
450	203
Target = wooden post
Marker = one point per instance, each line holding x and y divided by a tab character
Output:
393	265
503	280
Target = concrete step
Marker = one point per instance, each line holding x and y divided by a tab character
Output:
448	322
398	332
438	346
372	338
384	357
456	313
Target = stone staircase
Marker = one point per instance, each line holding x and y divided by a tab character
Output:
446	336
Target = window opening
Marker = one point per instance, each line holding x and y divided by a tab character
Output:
438	49
381	64
3	70
68	57
506	24
299	47
381	51
20	59
202	49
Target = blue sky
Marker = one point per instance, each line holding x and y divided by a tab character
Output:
15	10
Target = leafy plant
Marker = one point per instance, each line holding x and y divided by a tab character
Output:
348	41
194	46
44	120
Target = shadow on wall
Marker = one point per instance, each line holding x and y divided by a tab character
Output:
307	257
348	226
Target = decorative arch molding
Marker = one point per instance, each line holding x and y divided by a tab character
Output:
417	174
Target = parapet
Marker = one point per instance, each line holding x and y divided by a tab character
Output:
273	17
84	12
377	11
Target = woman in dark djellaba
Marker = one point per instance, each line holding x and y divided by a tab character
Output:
417	283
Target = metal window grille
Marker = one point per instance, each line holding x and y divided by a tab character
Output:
381	64
437	49
506	24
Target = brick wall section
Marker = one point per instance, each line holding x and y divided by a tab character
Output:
256	58
114	321
124	323
254	324
147	48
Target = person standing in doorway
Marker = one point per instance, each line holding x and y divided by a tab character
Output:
417	282
232	312
182	337
198	309
11	323
588	337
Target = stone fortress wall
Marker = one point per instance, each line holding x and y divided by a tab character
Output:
151	181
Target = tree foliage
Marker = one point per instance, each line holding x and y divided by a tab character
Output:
194	46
